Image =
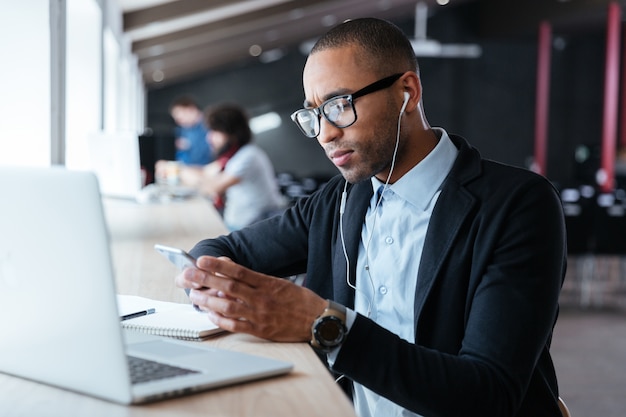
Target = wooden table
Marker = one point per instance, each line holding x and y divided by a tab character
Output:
135	228
308	390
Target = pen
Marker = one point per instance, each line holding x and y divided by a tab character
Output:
138	314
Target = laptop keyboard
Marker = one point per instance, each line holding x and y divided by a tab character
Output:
145	370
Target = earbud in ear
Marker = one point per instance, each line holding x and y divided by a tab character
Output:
407	96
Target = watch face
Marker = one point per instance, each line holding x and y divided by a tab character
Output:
330	331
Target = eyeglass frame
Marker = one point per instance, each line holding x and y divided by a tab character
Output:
368	89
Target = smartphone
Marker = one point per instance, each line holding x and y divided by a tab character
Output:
177	256
181	259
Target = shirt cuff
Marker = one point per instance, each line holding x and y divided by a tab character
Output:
332	355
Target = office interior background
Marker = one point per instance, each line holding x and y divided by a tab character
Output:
489	99
74	67
71	67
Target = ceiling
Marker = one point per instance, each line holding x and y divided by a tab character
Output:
176	40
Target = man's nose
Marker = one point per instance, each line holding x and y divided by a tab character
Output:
328	132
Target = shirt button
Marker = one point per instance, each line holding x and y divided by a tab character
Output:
389	240
383	290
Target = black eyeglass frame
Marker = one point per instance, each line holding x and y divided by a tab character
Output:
368	89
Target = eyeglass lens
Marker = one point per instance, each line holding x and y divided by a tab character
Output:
307	121
338	111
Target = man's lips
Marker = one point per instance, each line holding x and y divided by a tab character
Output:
340	157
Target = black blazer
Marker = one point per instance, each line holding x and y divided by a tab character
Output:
487	292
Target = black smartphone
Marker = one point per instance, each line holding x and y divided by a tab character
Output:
177	256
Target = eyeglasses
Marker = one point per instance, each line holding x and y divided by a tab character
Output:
339	110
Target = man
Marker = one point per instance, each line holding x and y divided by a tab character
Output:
192	148
444	268
191	144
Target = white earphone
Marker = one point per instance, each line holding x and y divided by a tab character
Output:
407	96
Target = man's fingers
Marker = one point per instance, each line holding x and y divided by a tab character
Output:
230	324
190	278
227	268
217	302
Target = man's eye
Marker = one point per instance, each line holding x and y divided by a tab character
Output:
336	108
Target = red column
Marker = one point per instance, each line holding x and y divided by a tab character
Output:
606	176
542	99
622	118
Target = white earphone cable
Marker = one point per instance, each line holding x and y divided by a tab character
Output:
380	198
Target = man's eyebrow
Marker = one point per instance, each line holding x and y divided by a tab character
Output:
340	92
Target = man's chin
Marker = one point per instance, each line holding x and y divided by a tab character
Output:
353	177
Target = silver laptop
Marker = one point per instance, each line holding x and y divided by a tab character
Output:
59	319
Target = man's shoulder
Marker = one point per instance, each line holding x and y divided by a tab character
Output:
507	173
487	177
499	183
472	166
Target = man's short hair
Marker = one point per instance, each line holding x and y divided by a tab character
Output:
386	48
184	101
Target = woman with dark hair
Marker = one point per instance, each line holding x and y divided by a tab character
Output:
241	181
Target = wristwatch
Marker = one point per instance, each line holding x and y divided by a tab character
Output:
329	329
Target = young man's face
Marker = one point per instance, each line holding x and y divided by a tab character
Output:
185	116
366	147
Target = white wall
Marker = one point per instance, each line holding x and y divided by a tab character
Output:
83	83
101	87
25	107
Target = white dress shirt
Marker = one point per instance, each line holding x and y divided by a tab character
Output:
391	245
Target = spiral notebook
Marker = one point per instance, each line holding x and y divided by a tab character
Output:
177	320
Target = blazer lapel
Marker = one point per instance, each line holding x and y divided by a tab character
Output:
357	203
453	206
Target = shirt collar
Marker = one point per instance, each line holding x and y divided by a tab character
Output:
421	183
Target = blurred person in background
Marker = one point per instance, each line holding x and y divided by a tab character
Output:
241	181
191	146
